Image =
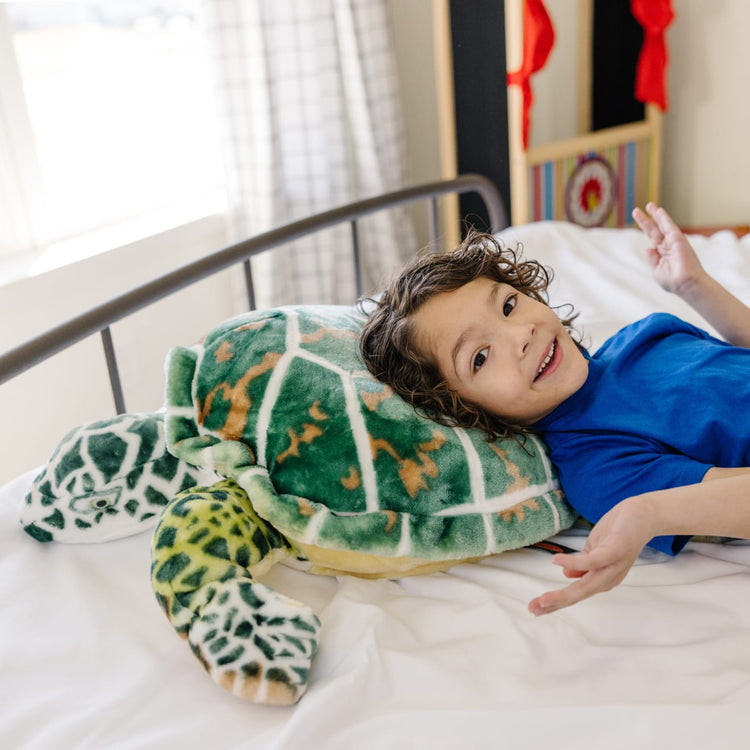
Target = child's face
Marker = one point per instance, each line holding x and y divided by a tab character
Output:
501	350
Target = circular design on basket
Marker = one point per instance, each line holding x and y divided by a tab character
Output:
590	192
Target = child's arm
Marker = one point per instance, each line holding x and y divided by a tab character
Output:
717	506
677	269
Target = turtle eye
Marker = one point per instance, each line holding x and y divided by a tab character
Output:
96	502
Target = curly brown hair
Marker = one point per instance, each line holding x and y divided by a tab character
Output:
387	342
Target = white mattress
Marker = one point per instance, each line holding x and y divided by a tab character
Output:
451	660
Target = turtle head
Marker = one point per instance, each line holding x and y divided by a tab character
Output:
106	480
50	513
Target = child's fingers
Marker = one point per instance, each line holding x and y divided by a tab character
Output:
579	561
653	256
575	592
648	226
593	581
573	565
595	559
573	573
664	221
641	219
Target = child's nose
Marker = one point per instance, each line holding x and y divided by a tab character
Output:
526	336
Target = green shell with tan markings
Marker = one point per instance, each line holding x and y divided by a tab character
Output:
281	402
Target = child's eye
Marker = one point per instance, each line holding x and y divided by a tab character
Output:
509	304
479	359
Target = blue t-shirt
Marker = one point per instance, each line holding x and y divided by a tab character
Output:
663	402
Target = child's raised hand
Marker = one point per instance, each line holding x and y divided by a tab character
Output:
611	549
673	261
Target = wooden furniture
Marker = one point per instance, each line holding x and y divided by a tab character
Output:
597	176
739	230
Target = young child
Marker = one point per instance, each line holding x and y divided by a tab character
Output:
648	433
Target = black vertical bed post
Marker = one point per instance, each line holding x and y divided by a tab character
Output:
114	375
356	257
481	104
249	283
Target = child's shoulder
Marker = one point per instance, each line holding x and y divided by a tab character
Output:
646	330
659	322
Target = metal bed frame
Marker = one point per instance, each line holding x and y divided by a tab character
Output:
100	318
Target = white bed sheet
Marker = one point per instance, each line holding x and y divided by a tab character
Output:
451	660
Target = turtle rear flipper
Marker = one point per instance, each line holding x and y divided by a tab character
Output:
206	550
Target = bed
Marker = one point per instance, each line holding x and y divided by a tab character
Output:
451	659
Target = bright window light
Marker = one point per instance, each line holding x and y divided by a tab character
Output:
119	101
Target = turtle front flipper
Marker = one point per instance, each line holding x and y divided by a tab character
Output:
207	549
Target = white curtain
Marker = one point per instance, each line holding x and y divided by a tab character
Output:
311	119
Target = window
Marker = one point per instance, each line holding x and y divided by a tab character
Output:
106	120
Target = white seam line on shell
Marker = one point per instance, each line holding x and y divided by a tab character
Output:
552	484
358	427
476	484
273	388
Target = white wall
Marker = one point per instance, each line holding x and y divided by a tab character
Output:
413	30
560	107
415	60
707	128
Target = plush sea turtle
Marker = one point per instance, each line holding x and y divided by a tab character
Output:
275	442
321	462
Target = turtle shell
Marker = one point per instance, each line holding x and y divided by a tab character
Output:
280	401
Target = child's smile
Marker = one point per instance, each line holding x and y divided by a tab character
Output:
544	369
501	350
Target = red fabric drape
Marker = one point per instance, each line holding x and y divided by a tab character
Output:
650	76
538	40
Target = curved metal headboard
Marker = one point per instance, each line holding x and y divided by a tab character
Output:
99	319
